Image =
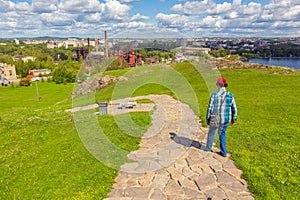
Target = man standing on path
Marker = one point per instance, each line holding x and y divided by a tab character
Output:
221	103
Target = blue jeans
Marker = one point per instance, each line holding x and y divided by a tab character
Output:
222	136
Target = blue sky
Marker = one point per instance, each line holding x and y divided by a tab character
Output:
150	18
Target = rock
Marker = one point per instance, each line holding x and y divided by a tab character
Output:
157	194
216	193
224	177
140	192
206	180
173	187
192	194
160	181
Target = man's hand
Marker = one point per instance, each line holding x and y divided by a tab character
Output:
232	123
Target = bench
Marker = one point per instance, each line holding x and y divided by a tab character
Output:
127	105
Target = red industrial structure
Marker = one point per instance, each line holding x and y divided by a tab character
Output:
130	57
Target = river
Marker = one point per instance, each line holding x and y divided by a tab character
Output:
293	63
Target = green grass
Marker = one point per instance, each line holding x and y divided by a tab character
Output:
43	157
265	141
41	153
121	137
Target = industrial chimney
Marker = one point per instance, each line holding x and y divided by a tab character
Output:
106	44
89	46
96	43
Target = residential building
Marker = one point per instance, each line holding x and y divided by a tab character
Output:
39	72
24	58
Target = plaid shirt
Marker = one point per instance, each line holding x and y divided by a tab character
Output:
228	109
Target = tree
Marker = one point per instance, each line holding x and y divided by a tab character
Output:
6	59
22	68
63	75
220	53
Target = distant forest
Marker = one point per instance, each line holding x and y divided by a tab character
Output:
281	50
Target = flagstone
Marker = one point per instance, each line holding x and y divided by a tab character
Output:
173	187
216	168
224	177
216	193
157	194
160	181
140	192
206	180
192	194
186	183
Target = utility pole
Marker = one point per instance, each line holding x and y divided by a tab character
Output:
37	92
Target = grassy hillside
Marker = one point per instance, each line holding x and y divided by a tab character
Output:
42	156
265	141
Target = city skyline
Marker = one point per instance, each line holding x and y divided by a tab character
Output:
150	19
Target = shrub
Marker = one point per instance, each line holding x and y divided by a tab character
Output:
25	81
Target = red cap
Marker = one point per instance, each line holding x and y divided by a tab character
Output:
222	81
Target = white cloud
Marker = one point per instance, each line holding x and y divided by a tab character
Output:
232	15
6	6
177	8
114	10
57	19
14	21
130	25
220	8
23	7
92	18
236	2
190	17
285	24
251	9
129	1
284	10
80	6
293	13
196	7
216	22
172	20
41	6
138	17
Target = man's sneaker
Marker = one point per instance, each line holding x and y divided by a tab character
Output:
219	153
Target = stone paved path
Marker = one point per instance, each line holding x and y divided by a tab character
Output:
171	163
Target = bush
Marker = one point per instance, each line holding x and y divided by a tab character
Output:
25	81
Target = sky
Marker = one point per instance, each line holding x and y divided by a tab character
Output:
149	18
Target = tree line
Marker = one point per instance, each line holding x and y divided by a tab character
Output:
278	50
59	60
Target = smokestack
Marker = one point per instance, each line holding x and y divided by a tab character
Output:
106	44
96	43
89	46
